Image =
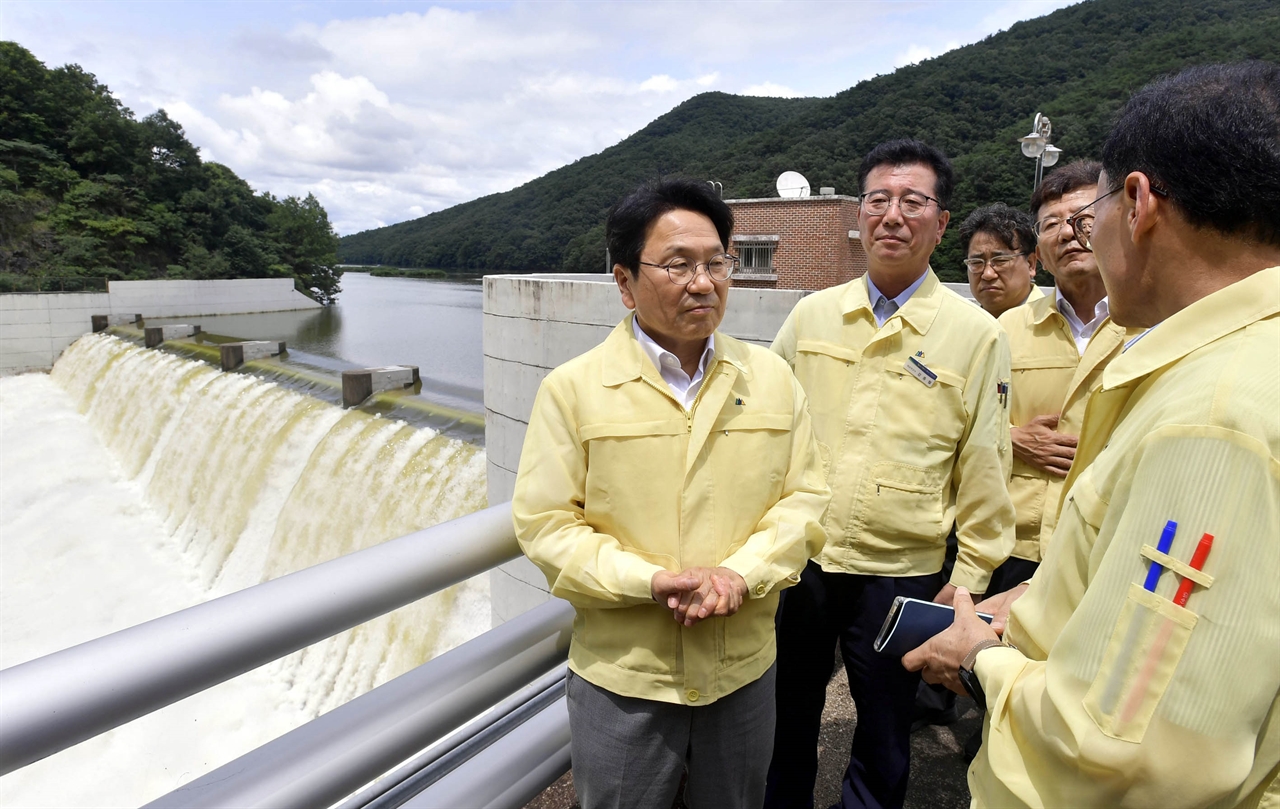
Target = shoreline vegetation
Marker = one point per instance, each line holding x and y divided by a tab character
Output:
399	272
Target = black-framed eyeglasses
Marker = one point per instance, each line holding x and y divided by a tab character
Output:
1001	263
1081	222
911	204
682	271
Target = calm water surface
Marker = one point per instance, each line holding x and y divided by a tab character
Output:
435	325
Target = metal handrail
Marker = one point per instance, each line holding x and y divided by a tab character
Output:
437	760
62	699
510	772
324	760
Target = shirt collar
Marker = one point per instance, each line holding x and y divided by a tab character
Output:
625	359
1100	311
655	352
1208	319
874	294
920	311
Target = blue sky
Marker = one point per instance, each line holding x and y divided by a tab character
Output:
387	111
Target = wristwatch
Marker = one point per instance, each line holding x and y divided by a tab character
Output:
970	680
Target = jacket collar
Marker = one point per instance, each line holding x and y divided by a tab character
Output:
1208	319
919	311
1044	308
624	359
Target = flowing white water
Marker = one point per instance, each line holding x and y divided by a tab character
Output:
134	483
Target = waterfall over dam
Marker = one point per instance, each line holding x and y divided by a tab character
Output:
137	482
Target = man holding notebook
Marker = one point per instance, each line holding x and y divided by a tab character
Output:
908	387
1142	665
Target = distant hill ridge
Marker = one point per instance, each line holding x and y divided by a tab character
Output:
1077	65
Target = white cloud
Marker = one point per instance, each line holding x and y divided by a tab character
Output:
918	53
390	111
771	89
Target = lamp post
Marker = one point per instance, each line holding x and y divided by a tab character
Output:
1036	145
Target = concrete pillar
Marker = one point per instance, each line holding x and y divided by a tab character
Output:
360	385
236	354
102	322
155	335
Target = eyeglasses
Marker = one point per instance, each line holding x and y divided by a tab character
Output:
1047	228
912	205
1082	221
682	271
1001	263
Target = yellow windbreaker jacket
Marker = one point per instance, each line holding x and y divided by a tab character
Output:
617	481
1049	377
917	428
1117	696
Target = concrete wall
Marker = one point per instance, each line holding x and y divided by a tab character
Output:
532	323
35	328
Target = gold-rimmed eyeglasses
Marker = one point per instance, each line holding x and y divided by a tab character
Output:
682	271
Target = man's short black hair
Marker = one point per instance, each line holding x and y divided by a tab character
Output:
629	219
1209	137
907	152
1075	175
1009	225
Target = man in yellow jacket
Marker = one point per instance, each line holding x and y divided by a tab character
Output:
1141	668
999	243
908	383
669	488
1058	357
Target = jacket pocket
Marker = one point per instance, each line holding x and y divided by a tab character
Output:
1141	657
750	456
620	457
904	504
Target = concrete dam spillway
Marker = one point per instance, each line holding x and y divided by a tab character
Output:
137	482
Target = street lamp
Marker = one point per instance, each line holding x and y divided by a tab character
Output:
1036	145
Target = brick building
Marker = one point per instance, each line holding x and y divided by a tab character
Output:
797	242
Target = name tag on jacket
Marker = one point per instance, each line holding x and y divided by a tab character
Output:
919	371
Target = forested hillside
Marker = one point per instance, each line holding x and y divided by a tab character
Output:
1077	66
87	191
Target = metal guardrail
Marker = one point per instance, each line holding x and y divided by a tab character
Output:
511	771
59	700
328	758
423	770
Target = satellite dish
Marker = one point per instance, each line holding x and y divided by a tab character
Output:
792	184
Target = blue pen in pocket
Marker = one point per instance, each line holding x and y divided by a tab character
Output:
1166	542
1120	671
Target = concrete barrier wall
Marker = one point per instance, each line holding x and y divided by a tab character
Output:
532	323
35	328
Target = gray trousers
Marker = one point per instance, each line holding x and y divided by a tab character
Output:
630	753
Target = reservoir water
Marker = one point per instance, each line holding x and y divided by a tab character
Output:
136	483
433	324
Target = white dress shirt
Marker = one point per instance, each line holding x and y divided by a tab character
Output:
883	307
684	388
1080	330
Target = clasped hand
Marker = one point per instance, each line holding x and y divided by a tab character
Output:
696	593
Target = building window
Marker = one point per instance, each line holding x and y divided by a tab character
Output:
757	257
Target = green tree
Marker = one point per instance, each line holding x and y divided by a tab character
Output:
307	247
87	190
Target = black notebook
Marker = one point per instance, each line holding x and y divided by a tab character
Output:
911	622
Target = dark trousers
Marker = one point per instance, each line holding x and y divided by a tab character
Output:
1010	574
823	609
